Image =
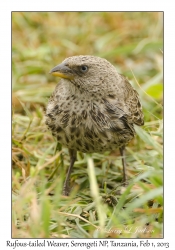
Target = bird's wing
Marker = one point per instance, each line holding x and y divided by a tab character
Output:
132	104
117	116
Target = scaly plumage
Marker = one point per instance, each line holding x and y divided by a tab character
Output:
93	108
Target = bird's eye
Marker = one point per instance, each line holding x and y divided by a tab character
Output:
84	68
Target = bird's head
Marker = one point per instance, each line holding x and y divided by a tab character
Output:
89	73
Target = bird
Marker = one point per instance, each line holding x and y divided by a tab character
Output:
92	109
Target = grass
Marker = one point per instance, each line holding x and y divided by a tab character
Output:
98	206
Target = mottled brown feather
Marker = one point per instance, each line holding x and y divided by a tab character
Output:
93	111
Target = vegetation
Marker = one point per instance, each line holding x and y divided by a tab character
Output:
98	205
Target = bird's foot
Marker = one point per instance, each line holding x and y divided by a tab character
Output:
125	183
66	191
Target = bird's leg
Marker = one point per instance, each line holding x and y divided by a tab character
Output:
66	188
122	152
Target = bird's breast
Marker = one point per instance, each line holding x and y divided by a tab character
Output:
84	125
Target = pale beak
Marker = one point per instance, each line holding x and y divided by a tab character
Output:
62	71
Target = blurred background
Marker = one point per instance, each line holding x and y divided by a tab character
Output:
133	43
